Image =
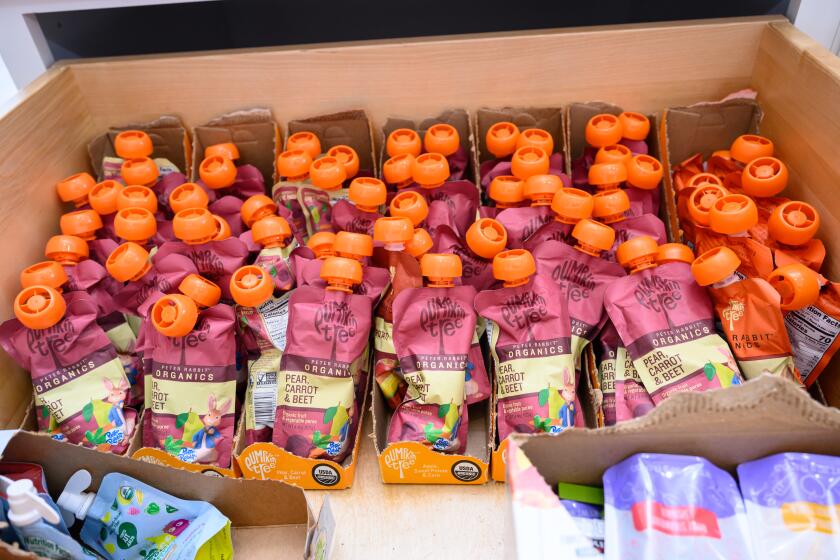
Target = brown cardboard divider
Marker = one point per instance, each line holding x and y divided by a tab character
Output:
550	119
351	128
280	511
255	133
169	139
458	118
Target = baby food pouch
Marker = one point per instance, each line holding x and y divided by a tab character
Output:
128	519
506	191
673	506
791	229
357	215
327	175
191	383
433	329
792	501
642	175
570	206
522	223
606	356
611	207
317	410
443	139
404	270
665	320
694	203
219	172
74	367
620	382
531	347
503	139
452	203
605	132
750	313
272	233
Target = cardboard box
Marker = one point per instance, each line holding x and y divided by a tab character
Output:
351	128
260	512
766	416
254	132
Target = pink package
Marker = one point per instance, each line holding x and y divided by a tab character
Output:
74	367
625	397
531	344
453	204
434	327
317	409
612	207
366	196
228	207
286	197
493	168
219	173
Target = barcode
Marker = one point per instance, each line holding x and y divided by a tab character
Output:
264	398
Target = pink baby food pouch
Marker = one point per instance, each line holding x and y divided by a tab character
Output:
673	506
531	347
433	329
366	196
75	369
219	173
569	206
228	208
522	223
453	204
625	396
285	194
666	322
493	168
317	410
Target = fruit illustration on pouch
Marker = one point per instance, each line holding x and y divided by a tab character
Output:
561	406
331	443
725	373
445	436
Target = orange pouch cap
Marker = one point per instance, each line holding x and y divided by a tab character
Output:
644	172
81	223
610	206
398	169
188	195
353	245
572	205
341	274
486	238
614	153
502	138
514	267
217	172
603	129
411	205
394	230
257	207
271	231
593	237
430	170
506	191
367	193
537	138
66	249
715	265
734	213
327	173
529	161
201	290
700	179
306	141
174	315
635	126
348	157
674	252
225	149
747	147
604	175
322	244
637	253
131	144
403	141
442	139
798	286
440	268
139	171
135	224
294	164
135	196
128	262
764	177
540	189
75	188
701	201
39	307
44	273
793	223
251	286
420	244
103	197
222	228
194	226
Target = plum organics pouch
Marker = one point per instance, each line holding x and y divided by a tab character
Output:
317	410
531	347
128	519
433	330
191	389
606	355
673	506
75	371
792	501
665	320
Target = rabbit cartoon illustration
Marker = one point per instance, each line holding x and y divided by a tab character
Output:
205	440
115	397
567	392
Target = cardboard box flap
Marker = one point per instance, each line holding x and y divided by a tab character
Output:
579	115
169	139
549	119
458	118
254	132
351	128
727	426
707	127
247	503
